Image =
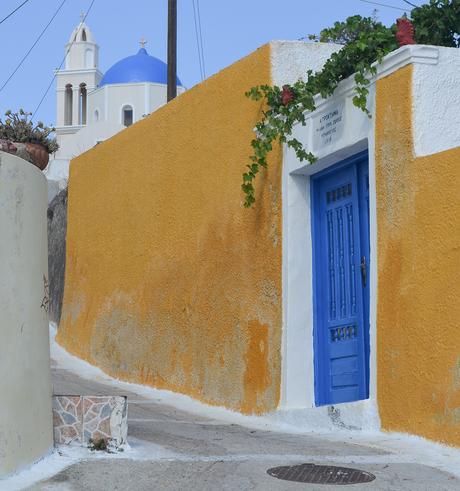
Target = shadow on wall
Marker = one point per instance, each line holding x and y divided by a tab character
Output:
57	228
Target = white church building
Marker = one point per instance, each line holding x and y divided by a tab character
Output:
92	106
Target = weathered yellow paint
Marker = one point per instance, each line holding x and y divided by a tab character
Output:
256	375
418	313
169	280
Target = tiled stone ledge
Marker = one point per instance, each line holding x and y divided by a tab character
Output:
79	419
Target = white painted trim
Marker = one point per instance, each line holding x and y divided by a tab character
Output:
71	71
416	54
373	270
297	344
69	128
411	54
297	341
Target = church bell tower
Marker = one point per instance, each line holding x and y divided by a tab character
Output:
80	76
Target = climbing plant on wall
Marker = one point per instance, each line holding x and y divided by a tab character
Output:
365	42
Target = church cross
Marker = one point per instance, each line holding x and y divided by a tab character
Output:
142	42
82	16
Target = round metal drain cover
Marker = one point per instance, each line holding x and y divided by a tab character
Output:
320	474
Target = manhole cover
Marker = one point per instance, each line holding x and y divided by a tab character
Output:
320	474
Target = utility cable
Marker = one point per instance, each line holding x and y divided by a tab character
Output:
197	36
33	46
13	12
63	60
384	5
411	4
201	37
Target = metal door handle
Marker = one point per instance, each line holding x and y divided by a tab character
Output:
363	270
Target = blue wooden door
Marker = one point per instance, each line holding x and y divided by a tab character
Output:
340	203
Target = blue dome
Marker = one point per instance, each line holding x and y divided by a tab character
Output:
137	68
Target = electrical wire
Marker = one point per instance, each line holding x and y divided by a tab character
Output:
197	39
383	5
33	46
197	36
409	3
13	12
201	37
62	61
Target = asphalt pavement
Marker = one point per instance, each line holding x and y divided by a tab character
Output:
175	450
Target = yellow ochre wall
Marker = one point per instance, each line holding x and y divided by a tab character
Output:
170	282
418	308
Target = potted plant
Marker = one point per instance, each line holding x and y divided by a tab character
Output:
20	137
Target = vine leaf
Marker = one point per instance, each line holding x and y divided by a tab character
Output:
365	41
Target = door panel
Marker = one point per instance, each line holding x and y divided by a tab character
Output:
340	248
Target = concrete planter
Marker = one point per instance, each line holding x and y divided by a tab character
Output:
86	419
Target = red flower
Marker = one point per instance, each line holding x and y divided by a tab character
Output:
404	32
287	95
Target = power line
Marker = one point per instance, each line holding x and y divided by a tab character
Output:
197	36
33	46
13	12
201	36
384	5
409	3
63	60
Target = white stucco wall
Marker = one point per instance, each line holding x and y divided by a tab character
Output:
436	99
25	382
87	138
143	97
291	59
74	145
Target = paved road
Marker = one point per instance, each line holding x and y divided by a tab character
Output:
180	451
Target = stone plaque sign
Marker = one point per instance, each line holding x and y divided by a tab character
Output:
328	126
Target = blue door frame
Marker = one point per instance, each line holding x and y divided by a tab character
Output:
340	233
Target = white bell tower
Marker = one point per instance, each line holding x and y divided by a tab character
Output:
80	76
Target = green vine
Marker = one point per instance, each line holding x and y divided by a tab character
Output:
365	42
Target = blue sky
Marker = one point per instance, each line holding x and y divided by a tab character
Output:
231	29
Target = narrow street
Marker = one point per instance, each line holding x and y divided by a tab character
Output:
175	450
250	207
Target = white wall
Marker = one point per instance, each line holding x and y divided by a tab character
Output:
435	100
25	382
143	97
108	100
85	139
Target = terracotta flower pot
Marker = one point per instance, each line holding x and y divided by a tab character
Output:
39	155
34	153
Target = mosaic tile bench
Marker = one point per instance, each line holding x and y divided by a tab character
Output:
79	419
